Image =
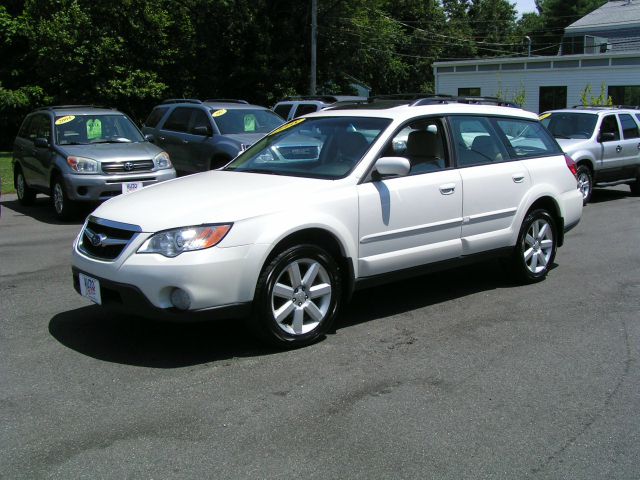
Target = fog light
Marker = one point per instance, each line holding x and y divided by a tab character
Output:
180	299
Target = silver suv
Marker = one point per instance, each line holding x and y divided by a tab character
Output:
294	107
83	154
604	142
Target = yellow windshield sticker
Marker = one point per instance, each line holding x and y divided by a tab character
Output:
542	117
287	126
219	113
94	129
65	119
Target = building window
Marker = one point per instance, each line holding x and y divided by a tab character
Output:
469	92
625	95
552	98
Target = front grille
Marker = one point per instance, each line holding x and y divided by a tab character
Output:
127	166
106	240
301	152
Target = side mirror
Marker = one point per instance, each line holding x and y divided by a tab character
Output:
391	167
41	143
201	130
150	138
606	137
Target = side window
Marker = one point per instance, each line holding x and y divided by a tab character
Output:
178	120
527	138
610	125
283	110
476	141
422	142
24	129
40	127
200	119
155	116
304	108
629	126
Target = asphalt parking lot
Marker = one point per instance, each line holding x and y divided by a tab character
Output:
455	375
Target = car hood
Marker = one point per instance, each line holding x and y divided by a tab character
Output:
210	197
113	152
570	145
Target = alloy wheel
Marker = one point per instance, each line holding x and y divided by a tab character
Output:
20	186
538	246
58	198
584	184
301	296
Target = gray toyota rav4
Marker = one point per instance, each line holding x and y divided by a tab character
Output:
207	135
83	154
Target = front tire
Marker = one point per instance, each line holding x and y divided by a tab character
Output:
297	297
536	248
26	195
65	209
585	183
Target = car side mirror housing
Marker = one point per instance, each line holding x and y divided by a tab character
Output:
204	131
41	143
386	167
606	137
150	138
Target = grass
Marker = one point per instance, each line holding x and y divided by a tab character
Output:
6	172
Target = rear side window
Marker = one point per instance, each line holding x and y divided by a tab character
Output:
155	116
476	141
282	110
40	127
178	120
527	138
610	125
629	126
304	108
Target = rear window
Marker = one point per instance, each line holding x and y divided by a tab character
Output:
282	110
155	116
527	138
305	108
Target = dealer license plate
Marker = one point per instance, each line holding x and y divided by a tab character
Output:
90	288
131	187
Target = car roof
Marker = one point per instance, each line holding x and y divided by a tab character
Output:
214	103
406	112
594	110
61	110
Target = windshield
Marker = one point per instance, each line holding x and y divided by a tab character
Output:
569	124
89	129
327	147
245	120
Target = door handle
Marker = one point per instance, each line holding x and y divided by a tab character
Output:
518	177
184	142
639	146
618	149
162	138
448	188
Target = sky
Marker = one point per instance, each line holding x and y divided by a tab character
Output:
525	6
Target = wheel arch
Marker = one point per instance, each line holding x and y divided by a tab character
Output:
328	241
549	204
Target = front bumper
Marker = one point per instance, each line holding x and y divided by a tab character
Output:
128	299
93	188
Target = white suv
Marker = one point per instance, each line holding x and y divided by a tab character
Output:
330	203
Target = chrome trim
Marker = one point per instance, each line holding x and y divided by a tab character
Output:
406	232
114	224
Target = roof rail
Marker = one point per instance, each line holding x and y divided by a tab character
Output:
320	98
181	100
606	107
226	100
61	107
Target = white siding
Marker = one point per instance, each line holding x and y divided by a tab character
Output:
510	82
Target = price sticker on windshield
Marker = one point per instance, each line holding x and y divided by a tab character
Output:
219	113
65	119
543	116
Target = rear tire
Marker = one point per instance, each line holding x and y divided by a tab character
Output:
536	248
65	209
297	298
26	195
585	183
635	187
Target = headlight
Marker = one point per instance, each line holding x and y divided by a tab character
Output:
162	160
172	243
82	165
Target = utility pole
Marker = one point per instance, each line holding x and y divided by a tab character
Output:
314	44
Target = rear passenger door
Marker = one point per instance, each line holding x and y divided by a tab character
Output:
630	144
493	183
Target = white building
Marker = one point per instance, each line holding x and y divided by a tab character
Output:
600	48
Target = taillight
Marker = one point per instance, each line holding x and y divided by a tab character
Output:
571	165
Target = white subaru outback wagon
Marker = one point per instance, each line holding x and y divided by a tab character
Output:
330	203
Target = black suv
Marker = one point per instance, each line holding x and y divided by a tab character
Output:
204	135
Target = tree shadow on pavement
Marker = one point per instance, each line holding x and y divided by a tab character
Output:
43	211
